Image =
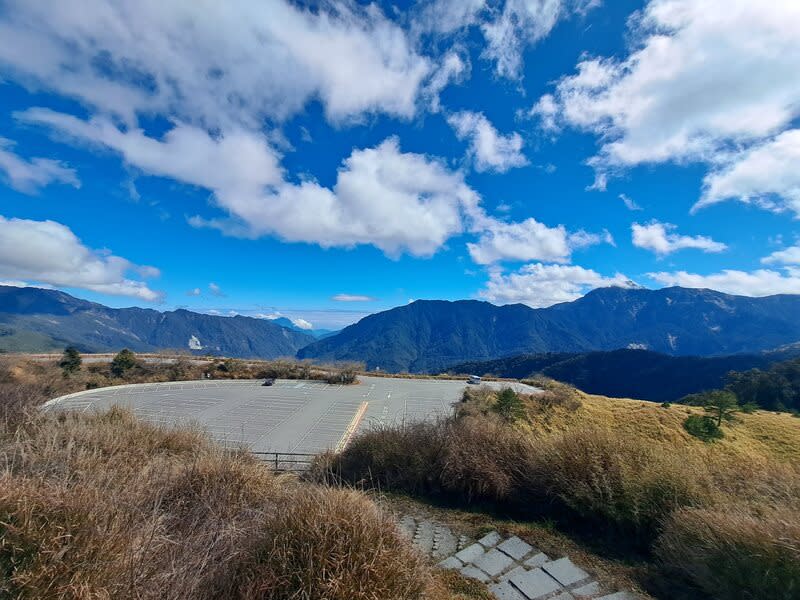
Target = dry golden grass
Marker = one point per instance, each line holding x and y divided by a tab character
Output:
624	469
105	506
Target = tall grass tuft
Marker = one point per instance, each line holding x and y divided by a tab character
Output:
734	552
105	506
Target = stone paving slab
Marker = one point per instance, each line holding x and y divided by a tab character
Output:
515	548
451	562
511	568
506	591
493	562
537	560
536	584
590	590
474	573
565	571
470	553
491	539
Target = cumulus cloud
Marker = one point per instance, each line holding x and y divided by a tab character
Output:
661	239
378	190
761	282
215	290
529	240
767	175
787	256
540	285
352	298
214	67
490	150
302	324
30	175
704	78
47	252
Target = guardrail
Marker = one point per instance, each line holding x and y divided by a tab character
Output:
286	462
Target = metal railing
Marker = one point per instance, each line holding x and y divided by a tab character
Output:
283	462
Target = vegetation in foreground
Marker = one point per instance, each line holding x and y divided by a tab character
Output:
716	520
104	506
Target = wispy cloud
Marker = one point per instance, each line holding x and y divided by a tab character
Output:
352	298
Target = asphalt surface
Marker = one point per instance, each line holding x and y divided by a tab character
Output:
289	416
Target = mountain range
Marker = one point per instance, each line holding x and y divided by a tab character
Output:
432	335
628	373
423	336
40	320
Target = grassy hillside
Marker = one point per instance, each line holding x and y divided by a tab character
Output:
706	520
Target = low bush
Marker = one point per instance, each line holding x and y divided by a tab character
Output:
734	552
703	427
619	483
332	544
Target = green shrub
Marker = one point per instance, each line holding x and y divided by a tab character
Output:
71	361
123	362
509	405
703	427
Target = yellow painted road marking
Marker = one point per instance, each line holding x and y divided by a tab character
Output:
351	428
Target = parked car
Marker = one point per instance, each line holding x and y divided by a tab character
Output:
474	379
268	381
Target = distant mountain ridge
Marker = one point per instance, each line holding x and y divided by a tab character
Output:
33	319
639	374
431	335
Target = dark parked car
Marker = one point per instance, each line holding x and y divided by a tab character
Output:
268	381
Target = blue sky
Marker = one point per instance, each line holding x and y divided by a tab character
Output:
327	160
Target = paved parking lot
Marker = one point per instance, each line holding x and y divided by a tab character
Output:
290	416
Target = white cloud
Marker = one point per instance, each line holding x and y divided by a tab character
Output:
490	150
762	282
377	193
446	16
630	204
704	78
546	110
521	23
767	175
453	68
194	292
238	163
215	66
302	324
787	256
529	240
29	176
659	238
50	253
215	290
352	298
539	285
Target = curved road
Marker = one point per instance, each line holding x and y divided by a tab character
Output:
290	416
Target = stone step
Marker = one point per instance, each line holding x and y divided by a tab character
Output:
512	568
